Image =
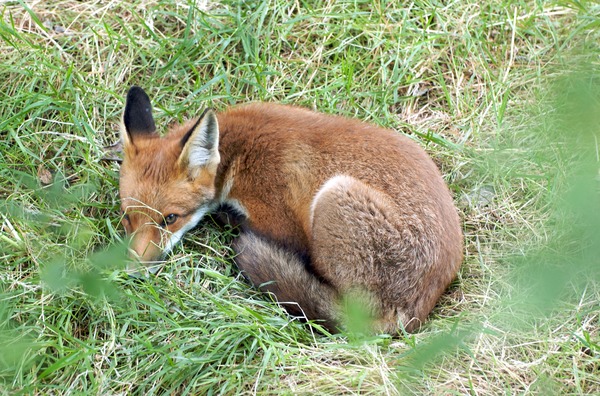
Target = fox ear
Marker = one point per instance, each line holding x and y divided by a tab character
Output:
137	117
200	146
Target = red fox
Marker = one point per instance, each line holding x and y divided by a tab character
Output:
328	208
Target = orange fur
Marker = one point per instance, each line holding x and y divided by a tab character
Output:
328	207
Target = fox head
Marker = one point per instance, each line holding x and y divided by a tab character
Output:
166	183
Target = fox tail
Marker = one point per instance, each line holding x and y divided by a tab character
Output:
283	273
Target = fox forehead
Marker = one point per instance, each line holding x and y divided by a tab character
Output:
151	177
155	157
174	196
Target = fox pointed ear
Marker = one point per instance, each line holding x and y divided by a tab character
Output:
137	117
200	146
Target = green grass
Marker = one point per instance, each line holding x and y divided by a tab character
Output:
502	94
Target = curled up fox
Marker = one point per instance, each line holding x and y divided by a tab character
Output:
328	208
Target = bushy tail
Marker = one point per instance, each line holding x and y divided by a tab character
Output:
282	272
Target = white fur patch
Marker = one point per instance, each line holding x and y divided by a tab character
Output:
201	150
198	156
233	203
333	182
226	190
192	222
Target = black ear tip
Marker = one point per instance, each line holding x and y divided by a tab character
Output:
137	116
136	92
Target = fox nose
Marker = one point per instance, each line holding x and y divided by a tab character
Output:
138	268
134	265
133	255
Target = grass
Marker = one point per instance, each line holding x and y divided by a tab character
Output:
502	94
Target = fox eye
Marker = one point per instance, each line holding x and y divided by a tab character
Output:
170	219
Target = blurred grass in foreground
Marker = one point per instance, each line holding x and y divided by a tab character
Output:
569	257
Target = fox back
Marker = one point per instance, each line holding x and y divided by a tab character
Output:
329	209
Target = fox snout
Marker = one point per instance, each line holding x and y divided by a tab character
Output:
145	248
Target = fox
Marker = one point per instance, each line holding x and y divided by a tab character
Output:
329	209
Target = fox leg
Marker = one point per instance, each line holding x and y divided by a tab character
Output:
282	272
368	251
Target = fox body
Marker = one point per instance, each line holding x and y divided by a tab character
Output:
328	208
